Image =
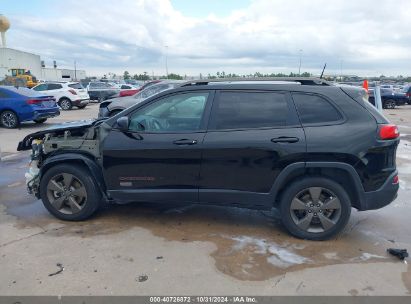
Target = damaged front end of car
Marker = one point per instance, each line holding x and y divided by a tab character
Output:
76	137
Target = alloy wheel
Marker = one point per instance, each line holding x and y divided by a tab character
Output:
66	193
65	104
315	209
9	119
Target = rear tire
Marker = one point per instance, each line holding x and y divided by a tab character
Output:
65	104
390	104
69	192
9	119
315	208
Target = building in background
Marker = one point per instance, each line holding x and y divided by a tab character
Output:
31	63
15	59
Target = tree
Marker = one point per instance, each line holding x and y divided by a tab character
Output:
175	76
143	76
126	75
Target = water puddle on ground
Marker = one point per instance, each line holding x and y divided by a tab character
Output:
250	245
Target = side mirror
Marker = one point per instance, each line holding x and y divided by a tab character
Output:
122	123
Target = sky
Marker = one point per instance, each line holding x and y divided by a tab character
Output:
355	37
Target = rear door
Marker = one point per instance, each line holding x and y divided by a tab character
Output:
251	137
55	90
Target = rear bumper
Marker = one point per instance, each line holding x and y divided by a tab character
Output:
39	114
401	102
81	102
381	197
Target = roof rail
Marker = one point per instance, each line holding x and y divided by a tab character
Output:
280	80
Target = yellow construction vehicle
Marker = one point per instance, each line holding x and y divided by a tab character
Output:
25	75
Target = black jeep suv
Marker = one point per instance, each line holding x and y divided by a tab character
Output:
308	148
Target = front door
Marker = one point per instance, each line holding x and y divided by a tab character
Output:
158	159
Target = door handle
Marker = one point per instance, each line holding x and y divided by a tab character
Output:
182	142
285	139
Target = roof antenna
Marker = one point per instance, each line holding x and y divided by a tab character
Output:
322	73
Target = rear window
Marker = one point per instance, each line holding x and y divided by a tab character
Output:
314	109
97	85
76	86
245	110
153	90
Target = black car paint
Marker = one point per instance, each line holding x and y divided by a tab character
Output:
246	167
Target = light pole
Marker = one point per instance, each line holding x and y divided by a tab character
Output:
75	70
299	66
341	75
165	55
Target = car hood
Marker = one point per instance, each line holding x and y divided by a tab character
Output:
25	144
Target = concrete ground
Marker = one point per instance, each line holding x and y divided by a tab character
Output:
140	249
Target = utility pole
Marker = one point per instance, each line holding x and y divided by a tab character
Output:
166	49
299	66
341	74
75	70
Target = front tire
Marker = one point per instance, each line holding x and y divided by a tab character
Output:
69	192
65	104
9	119
315	208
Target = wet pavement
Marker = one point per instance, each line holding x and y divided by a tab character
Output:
198	249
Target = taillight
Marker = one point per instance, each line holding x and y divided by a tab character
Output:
388	132
33	101
395	180
72	92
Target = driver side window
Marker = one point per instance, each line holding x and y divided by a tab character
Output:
176	113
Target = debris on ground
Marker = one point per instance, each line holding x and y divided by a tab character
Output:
142	278
58	271
159	257
400	253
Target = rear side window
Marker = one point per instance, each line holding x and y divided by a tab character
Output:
314	109
54	86
41	87
76	86
245	110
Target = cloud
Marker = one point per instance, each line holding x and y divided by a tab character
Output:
367	37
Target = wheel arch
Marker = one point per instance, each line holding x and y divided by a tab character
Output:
342	173
64	97
19	119
82	159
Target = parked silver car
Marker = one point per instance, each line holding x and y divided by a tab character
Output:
114	106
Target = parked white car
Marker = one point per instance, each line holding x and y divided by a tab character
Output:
67	94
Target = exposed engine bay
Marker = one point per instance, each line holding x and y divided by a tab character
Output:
79	137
